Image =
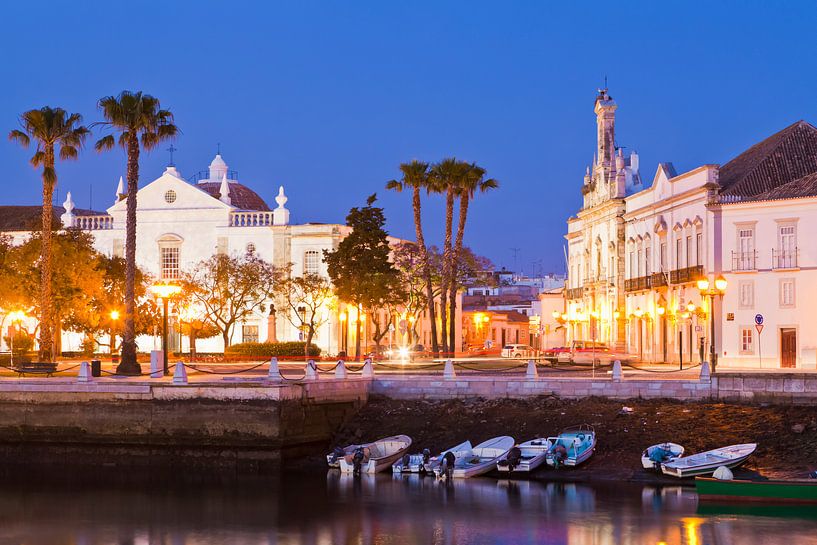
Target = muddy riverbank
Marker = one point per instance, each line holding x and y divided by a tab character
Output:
786	435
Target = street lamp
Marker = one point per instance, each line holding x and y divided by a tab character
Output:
15	316
165	292
718	290
114	315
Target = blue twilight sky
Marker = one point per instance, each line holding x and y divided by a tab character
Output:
327	98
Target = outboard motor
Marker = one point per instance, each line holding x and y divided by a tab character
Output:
514	457
559	455
405	462
357	460
426	461
337	454
448	464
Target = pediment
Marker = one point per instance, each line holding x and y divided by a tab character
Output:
168	192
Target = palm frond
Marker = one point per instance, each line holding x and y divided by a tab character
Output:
20	137
38	158
68	153
49	175
105	143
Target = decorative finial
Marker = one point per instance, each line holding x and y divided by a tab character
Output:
224	191
280	216
67	218
120	190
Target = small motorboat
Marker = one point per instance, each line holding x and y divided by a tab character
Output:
572	447
412	463
705	463
654	456
334	457
524	457
377	456
729	491
479	460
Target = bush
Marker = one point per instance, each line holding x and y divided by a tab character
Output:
23	343
272	349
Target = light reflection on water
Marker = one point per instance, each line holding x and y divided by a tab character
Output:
381	510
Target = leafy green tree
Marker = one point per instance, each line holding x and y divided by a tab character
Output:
307	300
360	269
412	262
416	176
55	131
141	123
229	289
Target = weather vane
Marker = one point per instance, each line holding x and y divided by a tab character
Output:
171	149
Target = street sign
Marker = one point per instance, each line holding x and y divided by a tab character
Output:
759	319
759	328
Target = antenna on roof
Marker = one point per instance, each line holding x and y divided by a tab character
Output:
605	81
90	196
515	255
171	149
218	148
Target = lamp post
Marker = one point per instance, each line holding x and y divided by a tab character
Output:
114	315
718	290
16	316
165	292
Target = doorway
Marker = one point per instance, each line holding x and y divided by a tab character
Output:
788	347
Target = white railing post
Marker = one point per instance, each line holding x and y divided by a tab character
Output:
617	371
448	371
340	370
274	370
180	373
311	371
368	368
705	374
532	373
156	364
84	372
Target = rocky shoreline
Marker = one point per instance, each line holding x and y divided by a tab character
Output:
786	435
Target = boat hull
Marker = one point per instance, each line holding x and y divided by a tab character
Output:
706	463
647	463
396	447
717	491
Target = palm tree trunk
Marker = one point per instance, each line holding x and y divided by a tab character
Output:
452	286
128	364
46	318
447	251
418	227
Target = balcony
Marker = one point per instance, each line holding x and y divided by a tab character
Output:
658	280
786	259
574	293
686	275
640	283
251	219
93	223
744	261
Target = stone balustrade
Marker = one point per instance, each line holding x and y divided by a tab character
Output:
93	223
251	219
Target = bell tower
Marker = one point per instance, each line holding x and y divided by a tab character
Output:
606	133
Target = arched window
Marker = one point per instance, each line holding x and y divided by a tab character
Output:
312	262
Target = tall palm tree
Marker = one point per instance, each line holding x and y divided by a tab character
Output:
416	176
444	179
51	128
472	180
141	124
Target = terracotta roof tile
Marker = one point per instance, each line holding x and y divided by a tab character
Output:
241	196
27	218
779	159
796	189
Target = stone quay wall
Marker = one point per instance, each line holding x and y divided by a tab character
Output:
777	388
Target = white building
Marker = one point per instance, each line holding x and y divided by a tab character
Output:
181	223
636	253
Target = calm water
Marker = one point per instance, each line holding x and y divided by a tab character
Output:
324	510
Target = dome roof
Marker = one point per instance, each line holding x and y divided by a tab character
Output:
241	196
218	161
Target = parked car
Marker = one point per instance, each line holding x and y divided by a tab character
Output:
517	351
554	354
586	352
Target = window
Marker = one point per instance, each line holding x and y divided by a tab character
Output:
679	253
662	251
632	264
312	262
787	292
689	250
170	262
249	333
250	249
746	249
747	340
647	266
746	294
640	263
699	249
170	196
787	247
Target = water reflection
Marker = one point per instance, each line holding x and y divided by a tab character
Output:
379	510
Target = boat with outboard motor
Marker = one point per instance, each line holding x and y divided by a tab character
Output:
575	445
769	491
654	456
424	463
705	463
525	457
479	460
377	456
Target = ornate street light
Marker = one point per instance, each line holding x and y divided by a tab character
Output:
165	292
718	290
114	315
15	316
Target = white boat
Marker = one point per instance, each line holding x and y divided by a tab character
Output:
707	462
377	456
654	456
481	459
419	463
333	458
409	463
524	457
572	447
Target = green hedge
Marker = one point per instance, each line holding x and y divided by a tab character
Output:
272	349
